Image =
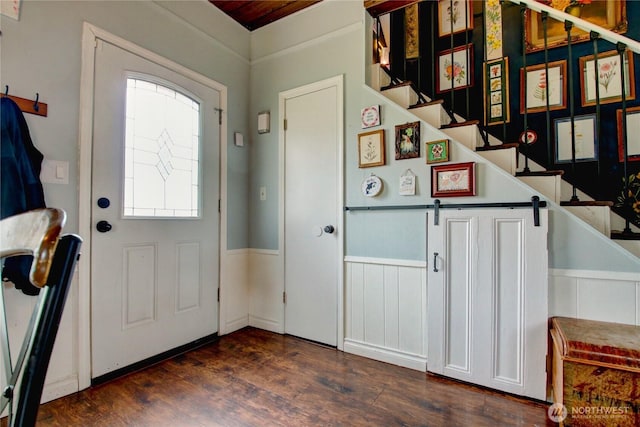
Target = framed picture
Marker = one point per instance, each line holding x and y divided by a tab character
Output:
455	69
454	16
534	90
438	151
633	137
371	149
607	74
412	33
454	180
496	91
408	141
586	141
610	14
370	116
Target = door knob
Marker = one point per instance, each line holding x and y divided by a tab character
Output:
329	229
103	226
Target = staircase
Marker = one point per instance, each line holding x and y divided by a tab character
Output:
507	156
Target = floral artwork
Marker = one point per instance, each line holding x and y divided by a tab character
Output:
493	29
454	16
454	71
632	199
542	82
371	149
496	91
606	74
408	141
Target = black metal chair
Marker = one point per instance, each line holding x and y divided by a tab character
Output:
36	233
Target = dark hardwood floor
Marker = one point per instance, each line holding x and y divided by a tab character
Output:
257	378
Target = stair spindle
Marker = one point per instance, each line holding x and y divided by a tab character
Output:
621	48
545	23
594	36
523	18
568	25
451	46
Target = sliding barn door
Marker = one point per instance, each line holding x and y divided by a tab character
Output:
487	298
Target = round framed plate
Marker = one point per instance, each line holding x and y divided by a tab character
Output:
371	186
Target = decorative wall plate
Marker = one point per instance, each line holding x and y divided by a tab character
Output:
371	186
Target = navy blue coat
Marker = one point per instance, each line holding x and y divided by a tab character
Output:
20	163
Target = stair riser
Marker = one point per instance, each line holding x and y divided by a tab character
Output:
599	217
432	114
379	78
506	158
403	96
548	186
467	135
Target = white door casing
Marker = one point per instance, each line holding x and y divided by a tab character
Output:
487	299
311	185
186	247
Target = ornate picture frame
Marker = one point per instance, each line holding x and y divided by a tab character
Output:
610	14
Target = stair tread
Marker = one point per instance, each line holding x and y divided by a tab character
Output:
426	104
460	124
621	235
498	147
541	173
587	203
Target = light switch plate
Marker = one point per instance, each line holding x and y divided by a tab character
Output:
54	172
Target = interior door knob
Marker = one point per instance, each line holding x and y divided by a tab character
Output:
329	229
103	226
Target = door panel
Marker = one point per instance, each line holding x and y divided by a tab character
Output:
311	204
154	280
487	299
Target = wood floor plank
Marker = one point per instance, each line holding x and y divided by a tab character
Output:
258	378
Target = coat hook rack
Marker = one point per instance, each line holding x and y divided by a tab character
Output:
27	105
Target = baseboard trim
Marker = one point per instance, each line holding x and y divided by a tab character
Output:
237	324
59	388
138	366
266	324
387	355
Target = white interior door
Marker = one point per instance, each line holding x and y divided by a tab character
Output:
312	203
154	266
487	299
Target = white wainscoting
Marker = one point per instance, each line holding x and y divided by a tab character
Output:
234	291
62	375
595	295
266	285
386	310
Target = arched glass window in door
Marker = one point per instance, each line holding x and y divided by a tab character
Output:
162	152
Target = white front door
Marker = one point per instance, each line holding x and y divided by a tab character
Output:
312	203
487	299
155	190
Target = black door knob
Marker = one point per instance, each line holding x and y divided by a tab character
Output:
329	229
103	226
